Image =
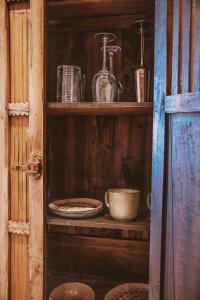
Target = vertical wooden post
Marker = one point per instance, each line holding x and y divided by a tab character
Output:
18	140
160	83
4	98
36	138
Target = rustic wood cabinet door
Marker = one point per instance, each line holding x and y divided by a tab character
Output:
175	228
22	150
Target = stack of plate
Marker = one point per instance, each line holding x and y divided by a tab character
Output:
77	208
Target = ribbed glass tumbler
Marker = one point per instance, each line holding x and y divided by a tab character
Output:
69	84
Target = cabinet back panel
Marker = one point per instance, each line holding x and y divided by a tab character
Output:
71	41
98	256
87	155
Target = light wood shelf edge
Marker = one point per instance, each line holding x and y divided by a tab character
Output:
89	108
103	222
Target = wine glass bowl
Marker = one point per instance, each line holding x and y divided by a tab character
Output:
104	82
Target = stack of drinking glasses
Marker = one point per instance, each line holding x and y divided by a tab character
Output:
105	86
70	84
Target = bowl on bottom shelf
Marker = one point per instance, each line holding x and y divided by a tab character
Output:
72	291
129	291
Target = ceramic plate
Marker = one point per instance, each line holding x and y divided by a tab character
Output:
76	207
129	291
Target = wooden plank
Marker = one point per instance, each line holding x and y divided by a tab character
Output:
196	61
158	148
88	24
4	192
36	137
168	288
123	108
99	222
17	109
175	45
125	259
185	205
183	103
83	8
186	13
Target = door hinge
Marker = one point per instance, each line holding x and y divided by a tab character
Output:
33	167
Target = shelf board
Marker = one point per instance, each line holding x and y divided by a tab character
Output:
90	108
59	9
101	222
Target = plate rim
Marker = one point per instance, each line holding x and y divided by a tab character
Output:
95	209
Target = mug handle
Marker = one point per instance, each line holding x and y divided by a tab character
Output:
107	199
149	201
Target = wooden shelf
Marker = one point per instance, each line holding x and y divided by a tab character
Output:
56	224
59	9
89	108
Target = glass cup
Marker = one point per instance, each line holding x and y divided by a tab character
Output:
70	85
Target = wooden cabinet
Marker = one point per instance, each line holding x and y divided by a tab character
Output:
82	149
92	147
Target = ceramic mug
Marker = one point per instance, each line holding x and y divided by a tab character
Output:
123	204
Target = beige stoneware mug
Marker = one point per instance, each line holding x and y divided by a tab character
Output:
123	204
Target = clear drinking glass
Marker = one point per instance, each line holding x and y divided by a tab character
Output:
104	82
113	50
69	84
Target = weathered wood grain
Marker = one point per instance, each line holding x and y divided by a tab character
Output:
36	141
158	147
19	272
4	191
102	226
81	8
186	42
196	53
184	207
179	262
174	46
125	108
115	259
188	102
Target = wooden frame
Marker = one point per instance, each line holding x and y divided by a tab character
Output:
16	1
4	192
158	148
36	146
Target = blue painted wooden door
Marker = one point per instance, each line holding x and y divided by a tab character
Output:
175	222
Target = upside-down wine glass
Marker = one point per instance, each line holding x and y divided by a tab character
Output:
114	50
104	83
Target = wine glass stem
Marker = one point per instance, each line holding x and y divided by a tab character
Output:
142	45
111	62
104	53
